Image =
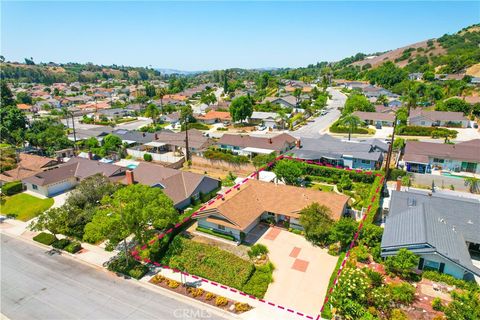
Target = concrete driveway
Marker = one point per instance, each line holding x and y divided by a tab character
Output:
302	271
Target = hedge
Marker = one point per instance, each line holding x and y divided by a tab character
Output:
217	234
424	131
448	279
61	244
11	188
258	283
337	128
225	155
327	313
45	238
335	174
195	125
73	247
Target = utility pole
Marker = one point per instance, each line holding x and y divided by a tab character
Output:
390	149
74	133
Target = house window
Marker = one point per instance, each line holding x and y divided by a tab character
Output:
431	265
422	122
366	161
221	227
34	187
437	160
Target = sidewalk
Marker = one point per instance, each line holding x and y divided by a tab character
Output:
262	309
90	253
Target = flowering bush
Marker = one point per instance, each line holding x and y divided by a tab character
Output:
354	284
221	301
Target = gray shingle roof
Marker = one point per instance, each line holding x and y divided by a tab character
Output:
329	147
432	224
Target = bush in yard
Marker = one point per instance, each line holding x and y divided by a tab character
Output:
376	278
73	247
343	231
221	301
258	283
147	157
119	265
173	284
448	279
196	292
257	250
360	253
352	287
242	307
463	306
437	304
345	183
45	238
402	263
379	297
209	296
398	314
402	293
61	244
11	188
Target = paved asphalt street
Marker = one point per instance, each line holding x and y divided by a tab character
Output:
35	285
322	123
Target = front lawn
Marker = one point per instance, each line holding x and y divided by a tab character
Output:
218	265
24	207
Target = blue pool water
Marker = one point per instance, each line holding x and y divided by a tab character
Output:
132	166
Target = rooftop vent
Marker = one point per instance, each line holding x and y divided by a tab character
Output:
411	202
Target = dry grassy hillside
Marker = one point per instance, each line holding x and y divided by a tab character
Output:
392	55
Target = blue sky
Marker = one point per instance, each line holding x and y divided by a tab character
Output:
217	35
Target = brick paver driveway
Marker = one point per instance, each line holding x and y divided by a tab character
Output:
302	271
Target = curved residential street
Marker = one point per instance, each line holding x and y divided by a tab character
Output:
322	123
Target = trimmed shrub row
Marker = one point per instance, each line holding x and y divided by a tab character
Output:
217	234
424	131
45	238
62	244
337	128
133	269
12	188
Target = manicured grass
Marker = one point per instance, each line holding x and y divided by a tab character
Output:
24	206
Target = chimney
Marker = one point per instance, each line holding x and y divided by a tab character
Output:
399	185
129	176
155	136
298	143
270	140
90	155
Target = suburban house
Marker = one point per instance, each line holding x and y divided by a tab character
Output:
419	117
241	210
212	117
180	186
113	113
441	230
285	102
27	165
253	145
351	154
66	176
267	119
170	147
376	118
415	76
423	157
135	138
84	134
172	118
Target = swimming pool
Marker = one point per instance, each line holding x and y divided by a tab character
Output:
132	166
448	174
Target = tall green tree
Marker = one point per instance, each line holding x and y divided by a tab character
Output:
134	209
48	135
402	263
13	123
241	108
317	221
352	122
289	171
343	231
6	95
54	220
186	116
152	112
208	98
357	102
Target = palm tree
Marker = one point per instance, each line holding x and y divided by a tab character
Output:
473	184
162	92
297	93
352	122
185	114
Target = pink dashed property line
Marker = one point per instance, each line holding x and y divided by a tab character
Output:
352	244
136	255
